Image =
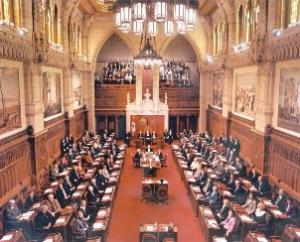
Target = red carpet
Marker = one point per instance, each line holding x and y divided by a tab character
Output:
129	212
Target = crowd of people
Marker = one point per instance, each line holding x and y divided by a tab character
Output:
117	72
86	152
222	157
171	73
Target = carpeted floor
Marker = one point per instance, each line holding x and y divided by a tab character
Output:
129	212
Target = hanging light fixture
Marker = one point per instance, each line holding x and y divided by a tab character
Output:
169	28
137	27
139	11
160	11
152	28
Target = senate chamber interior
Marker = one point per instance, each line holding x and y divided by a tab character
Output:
150	120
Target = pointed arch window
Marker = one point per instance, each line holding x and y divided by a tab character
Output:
239	25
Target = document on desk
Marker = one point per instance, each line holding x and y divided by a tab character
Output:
220	239
277	212
7	237
298	234
60	220
26	216
48	240
262	239
246	218
98	225
108	190
150	228
101	213
212	223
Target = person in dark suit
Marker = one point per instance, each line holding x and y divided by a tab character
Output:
253	175
239	192
202	178
31	199
260	214
148	149
213	198
262	186
280	200
160	155
68	186
11	214
101	181
81	226
241	168
223	212
62	195
231	183
225	176
43	219
148	138
127	139
207	188
137	158
87	213
91	196
74	176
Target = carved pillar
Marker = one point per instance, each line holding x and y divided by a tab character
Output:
68	92
205	97
34	96
177	125
89	98
155	85
264	96
139	84
227	91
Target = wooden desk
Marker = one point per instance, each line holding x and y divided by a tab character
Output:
167	231
62	225
149	231
291	234
54	238
155	186
209	226
103	213
219	239
194	193
256	237
26	223
13	236
99	228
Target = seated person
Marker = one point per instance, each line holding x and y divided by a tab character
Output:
250	204
91	196
101	180
213	198
195	164
225	176
53	205
148	149
229	223
253	175
262	186
62	195
74	176
54	171
239	192
207	188
140	135
137	158
260	214
31	199
223	213
43	219
81	226
201	179
241	168
280	200
68	186
148	138
86	211
63	164
11	214
231	183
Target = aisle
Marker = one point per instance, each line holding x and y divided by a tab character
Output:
129	212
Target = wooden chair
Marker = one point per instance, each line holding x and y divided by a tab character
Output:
162	193
146	193
149	238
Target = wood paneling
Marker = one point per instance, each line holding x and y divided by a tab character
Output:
216	122
77	124
149	122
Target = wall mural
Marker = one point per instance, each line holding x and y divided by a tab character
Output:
245	94
218	90
77	90
289	99
52	94
10	107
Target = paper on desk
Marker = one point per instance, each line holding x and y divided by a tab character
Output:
105	197
101	213
49	190
98	225
114	173
277	212
80	187
27	215
207	212
298	234
76	194
268	202
212	223
48	240
245	218
150	228
108	190
7	237
262	239
220	239
60	220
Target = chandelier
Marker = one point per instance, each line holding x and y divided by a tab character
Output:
171	15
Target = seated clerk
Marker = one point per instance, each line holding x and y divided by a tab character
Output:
62	195
91	195
231	183
213	198
262	186
202	177
81	226
31	200
148	149
68	185
140	135
250	204
44	219
207	188
260	214
137	157
11	214
253	175
223	212
241	168
154	136
74	176
148	138
280	200
239	192
86	211
229	223
127	139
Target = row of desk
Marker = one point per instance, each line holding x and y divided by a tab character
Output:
158	232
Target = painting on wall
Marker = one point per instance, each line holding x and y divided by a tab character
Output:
52	94
10	104
217	90
77	90
289	99
245	94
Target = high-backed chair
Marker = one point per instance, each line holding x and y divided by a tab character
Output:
149	238
146	193
162	193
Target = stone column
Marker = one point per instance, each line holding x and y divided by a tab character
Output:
68	91
227	91
155	85
264	96
205	97
89	98
138	69
34	96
